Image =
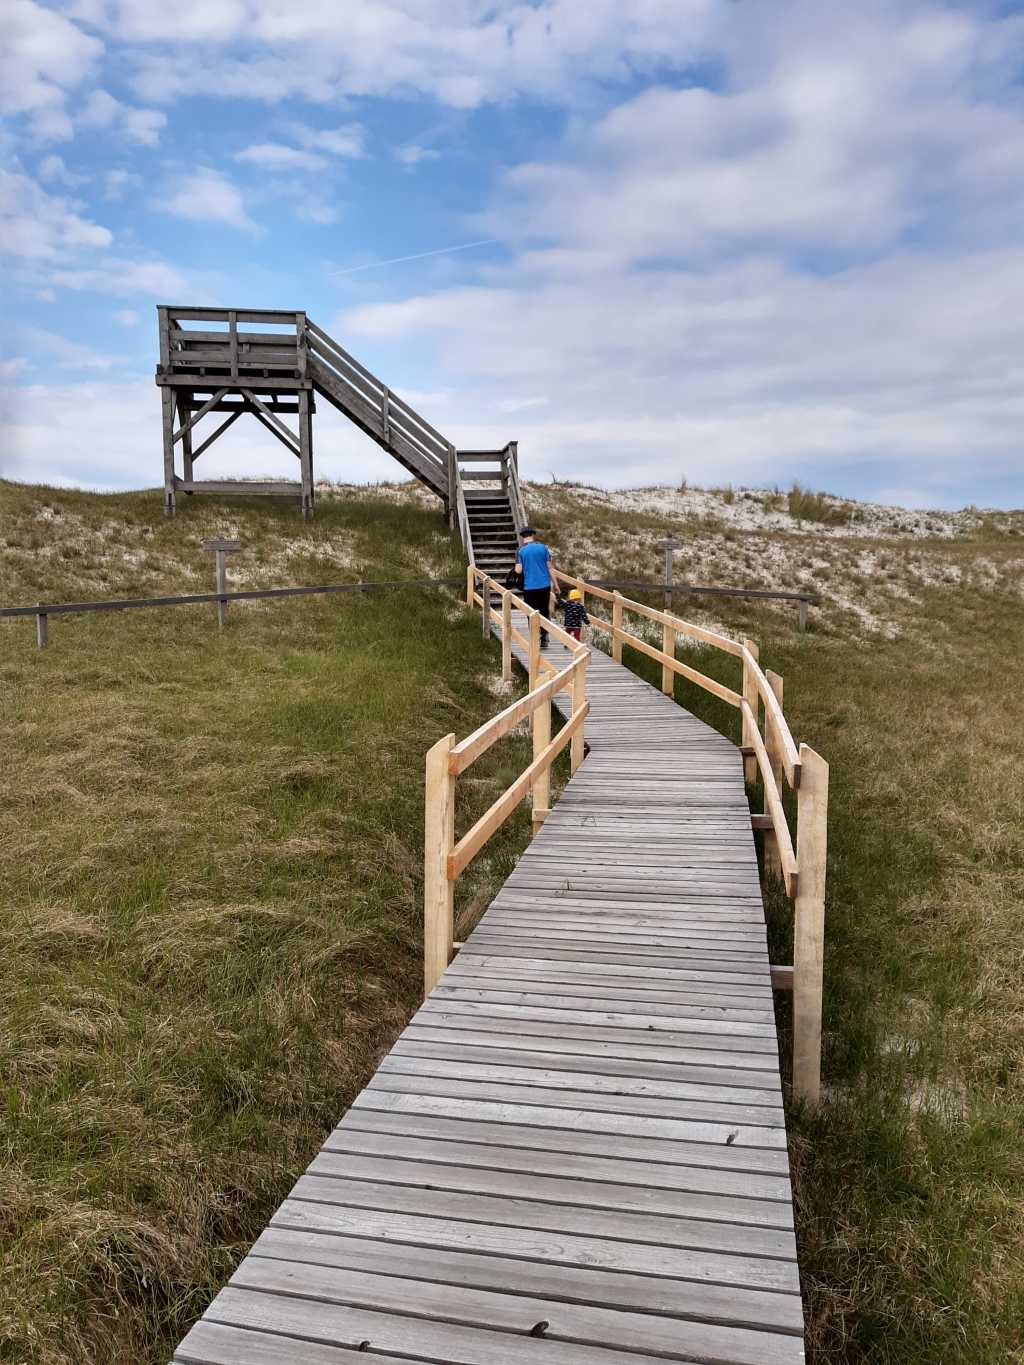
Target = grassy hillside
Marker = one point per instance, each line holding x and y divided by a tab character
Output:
212	868
212	849
910	1179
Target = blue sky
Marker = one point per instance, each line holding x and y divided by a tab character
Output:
749	242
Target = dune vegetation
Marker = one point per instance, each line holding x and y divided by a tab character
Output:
211	855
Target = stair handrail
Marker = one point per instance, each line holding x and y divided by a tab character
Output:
462	512
510	460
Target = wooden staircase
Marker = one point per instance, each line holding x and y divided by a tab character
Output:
492	505
229	361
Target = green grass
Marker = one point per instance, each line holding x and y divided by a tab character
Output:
211	929
212	923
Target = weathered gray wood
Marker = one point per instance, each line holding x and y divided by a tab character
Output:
583	1123
642	1258
414	1338
433	1142
627	1198
655	1295
585	1325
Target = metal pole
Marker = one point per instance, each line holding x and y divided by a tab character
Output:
42	629
803	613
669	557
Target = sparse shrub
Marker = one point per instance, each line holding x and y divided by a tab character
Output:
817	507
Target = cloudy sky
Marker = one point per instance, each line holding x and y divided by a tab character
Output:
732	240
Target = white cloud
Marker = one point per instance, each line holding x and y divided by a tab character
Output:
277	157
349	139
52	169
118	181
127	317
39	226
316	211
412	155
101	110
456	51
123	277
208	196
43	55
317	146
68	355
747	371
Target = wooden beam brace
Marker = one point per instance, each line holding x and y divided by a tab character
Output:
286	436
285	441
201	413
219	432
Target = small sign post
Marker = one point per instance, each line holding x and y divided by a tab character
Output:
219	548
669	545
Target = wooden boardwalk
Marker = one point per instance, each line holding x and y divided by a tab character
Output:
576	1151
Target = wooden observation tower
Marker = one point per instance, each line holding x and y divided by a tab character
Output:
272	364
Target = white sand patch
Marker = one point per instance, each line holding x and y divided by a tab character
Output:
758	509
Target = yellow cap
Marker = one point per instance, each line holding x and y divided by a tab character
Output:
575	595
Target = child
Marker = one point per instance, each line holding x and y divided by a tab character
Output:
575	613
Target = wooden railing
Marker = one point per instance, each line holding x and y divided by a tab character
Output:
769	752
446	858
773	756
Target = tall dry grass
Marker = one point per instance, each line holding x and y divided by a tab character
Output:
211	915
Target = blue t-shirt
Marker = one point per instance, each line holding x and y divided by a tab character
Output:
533	556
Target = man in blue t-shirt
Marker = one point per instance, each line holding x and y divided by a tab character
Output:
534	564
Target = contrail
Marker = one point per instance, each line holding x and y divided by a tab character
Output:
419	255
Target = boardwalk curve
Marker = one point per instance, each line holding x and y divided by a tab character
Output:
576	1151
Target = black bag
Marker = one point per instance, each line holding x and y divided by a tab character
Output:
513	580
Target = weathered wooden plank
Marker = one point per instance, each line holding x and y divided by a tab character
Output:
649	1181
598	1116
464	1178
562	1054
641	1258
469	1306
656	1295
393	1333
641	1148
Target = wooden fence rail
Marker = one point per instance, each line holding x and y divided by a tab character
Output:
446	858
42	611
769	752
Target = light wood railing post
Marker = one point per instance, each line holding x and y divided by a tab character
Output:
772	861
809	924
469	585
506	636
534	655
578	694
617	627
485	607
541	790
668	646
438	842
752	696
